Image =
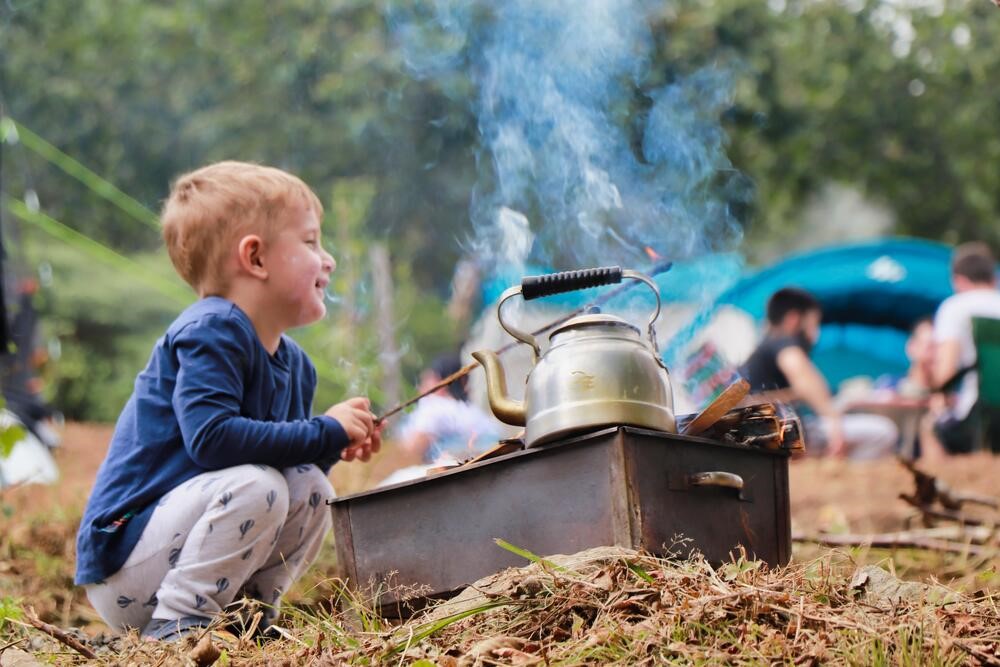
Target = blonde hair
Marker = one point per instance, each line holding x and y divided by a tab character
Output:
211	208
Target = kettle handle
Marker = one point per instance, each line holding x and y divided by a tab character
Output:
533	287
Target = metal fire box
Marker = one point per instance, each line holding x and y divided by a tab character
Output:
620	486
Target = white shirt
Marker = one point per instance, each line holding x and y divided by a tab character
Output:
953	322
456	428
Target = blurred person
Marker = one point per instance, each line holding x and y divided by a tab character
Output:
919	379
445	427
215	483
951	426
781	363
19	369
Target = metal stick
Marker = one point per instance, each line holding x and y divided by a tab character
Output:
662	267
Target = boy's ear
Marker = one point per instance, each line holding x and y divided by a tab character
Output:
250	254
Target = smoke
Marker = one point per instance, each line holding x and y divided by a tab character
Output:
580	162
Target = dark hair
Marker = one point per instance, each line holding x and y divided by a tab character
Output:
926	319
789	300
974	261
443	366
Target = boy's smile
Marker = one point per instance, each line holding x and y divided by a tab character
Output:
298	270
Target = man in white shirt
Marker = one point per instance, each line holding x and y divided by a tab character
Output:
951	426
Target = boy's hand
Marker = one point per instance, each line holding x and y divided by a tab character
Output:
356	417
364	450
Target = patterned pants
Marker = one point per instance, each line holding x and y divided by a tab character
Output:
250	530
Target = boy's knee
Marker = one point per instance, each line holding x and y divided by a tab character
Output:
309	482
266	482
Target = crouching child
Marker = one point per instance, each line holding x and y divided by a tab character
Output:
215	483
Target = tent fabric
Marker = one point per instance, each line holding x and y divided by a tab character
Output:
872	294
889	282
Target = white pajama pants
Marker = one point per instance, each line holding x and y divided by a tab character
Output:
249	530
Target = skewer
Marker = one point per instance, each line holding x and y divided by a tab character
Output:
662	267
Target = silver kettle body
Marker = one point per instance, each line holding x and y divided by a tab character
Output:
597	371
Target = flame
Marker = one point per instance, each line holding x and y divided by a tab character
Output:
652	254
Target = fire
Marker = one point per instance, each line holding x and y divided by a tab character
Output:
652	254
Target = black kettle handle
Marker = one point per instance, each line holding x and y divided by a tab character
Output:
534	287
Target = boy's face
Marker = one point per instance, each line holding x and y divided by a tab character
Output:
298	270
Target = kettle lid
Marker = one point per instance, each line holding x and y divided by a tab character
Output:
593	320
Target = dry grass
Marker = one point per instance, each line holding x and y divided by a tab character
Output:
603	607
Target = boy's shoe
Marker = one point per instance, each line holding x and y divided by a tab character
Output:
175	629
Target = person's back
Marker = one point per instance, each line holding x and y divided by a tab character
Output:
761	369
953	423
215	478
953	324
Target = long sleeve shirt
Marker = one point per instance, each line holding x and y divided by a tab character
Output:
211	397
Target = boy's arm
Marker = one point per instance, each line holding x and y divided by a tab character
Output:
207	397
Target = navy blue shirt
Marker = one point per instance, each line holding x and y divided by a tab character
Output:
211	397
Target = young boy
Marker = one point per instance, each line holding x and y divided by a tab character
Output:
215	484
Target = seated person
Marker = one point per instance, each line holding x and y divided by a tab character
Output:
445	427
918	381
952	424
781	363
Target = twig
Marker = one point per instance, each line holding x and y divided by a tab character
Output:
9	644
944	514
56	633
986	658
468	368
929	488
898	540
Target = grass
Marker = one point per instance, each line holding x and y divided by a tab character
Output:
610	608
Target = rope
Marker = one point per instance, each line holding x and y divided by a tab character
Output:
97	250
100	186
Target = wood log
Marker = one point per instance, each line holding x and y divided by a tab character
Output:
718	408
760	425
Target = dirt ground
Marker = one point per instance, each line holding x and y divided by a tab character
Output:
825	494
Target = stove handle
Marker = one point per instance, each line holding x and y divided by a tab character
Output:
716	478
726	480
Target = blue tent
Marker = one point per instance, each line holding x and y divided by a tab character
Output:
872	293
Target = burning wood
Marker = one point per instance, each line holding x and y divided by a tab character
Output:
723	403
764	425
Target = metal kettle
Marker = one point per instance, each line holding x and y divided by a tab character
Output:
598	369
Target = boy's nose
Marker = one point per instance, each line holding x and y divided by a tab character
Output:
329	263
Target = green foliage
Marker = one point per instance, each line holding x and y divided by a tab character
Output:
10	610
137	92
10	435
106	325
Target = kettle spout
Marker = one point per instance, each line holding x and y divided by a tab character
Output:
506	409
